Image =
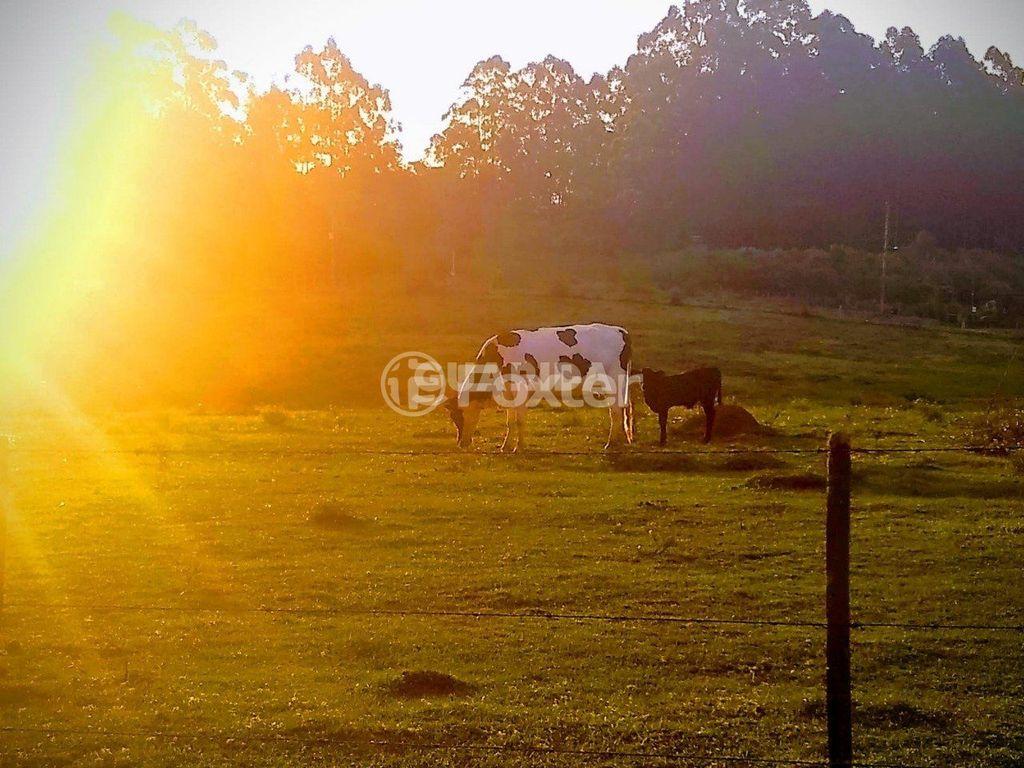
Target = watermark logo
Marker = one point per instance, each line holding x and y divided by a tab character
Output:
412	384
415	384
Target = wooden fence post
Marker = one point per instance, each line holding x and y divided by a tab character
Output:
838	699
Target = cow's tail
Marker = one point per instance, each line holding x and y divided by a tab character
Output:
626	363
627	404
719	390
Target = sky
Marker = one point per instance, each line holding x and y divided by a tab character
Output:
421	51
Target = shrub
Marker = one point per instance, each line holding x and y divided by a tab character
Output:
1017	462
998	428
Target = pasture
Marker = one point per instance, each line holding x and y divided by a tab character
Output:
162	536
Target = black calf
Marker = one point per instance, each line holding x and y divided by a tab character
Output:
661	392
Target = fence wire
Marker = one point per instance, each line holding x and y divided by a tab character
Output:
615	618
994	450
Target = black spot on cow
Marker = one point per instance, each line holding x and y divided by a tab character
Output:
627	350
490	354
509	339
567	336
578	363
531	366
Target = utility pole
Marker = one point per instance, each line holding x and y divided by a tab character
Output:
885	253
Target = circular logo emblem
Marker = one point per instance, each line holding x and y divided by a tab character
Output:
412	384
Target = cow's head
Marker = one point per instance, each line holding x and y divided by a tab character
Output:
465	419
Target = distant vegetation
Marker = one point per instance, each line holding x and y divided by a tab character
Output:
194	201
970	288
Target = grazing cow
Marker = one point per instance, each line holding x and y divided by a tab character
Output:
661	392
578	350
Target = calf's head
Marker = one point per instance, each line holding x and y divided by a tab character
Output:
652	383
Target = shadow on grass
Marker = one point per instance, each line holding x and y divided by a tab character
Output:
889	715
750	463
711	462
18	694
926	481
653	462
800	481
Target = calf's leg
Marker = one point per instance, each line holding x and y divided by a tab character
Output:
709	419
663	426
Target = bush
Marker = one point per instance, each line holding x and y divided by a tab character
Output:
998	428
1017	462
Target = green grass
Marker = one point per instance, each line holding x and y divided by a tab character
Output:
238	511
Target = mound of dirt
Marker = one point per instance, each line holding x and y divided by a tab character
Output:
329	514
730	421
425	683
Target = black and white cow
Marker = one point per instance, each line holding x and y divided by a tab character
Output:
584	349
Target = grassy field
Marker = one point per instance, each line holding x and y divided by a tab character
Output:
291	509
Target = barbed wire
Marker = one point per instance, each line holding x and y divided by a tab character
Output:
566	752
976	449
428	452
936	625
618	618
354	451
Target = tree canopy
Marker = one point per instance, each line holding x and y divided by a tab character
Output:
753	124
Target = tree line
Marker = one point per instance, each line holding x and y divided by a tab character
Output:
752	124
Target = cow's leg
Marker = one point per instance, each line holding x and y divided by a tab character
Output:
509	418
628	422
709	419
663	426
520	417
616	430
